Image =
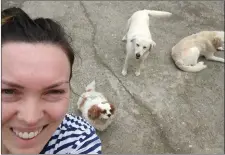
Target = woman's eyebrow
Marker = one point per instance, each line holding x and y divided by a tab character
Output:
56	84
11	84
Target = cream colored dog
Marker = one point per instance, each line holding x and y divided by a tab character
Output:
138	37
205	43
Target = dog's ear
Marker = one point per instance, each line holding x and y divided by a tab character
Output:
152	45
217	42
94	112
133	38
112	108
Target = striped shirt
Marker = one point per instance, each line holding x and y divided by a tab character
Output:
73	136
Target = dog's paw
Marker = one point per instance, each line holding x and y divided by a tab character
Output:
201	63
220	49
124	73
137	73
204	66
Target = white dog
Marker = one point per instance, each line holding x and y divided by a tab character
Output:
138	37
95	108
205	43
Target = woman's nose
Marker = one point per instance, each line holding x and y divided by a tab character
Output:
30	112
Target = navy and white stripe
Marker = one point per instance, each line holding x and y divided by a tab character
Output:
73	136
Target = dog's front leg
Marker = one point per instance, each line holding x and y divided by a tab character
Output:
125	66
141	65
138	70
214	58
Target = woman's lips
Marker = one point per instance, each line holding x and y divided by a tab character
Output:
27	134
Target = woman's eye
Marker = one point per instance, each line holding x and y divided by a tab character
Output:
54	95
10	95
137	45
8	91
55	92
144	47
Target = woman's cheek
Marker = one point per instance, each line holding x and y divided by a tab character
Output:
8	111
58	109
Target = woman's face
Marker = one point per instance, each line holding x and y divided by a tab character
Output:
35	95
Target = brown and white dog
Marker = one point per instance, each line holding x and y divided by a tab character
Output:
205	43
95	108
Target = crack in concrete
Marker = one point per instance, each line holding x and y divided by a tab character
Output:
163	136
97	57
135	99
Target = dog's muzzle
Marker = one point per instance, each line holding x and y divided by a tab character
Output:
138	55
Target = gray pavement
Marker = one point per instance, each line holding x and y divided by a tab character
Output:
164	110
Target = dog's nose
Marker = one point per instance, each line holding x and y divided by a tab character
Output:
109	115
138	55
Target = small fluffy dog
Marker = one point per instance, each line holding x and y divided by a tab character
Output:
205	43
95	108
138	37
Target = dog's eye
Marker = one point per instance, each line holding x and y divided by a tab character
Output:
137	45
111	110
144	47
104	111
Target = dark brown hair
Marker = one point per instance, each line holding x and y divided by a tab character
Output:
17	26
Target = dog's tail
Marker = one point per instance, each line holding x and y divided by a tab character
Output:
156	13
90	87
198	67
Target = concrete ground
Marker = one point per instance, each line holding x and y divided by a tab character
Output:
164	110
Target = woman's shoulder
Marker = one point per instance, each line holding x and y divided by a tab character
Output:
74	136
75	122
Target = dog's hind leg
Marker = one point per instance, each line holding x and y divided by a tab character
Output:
127	28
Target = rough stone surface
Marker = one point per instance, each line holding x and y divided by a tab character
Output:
164	110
